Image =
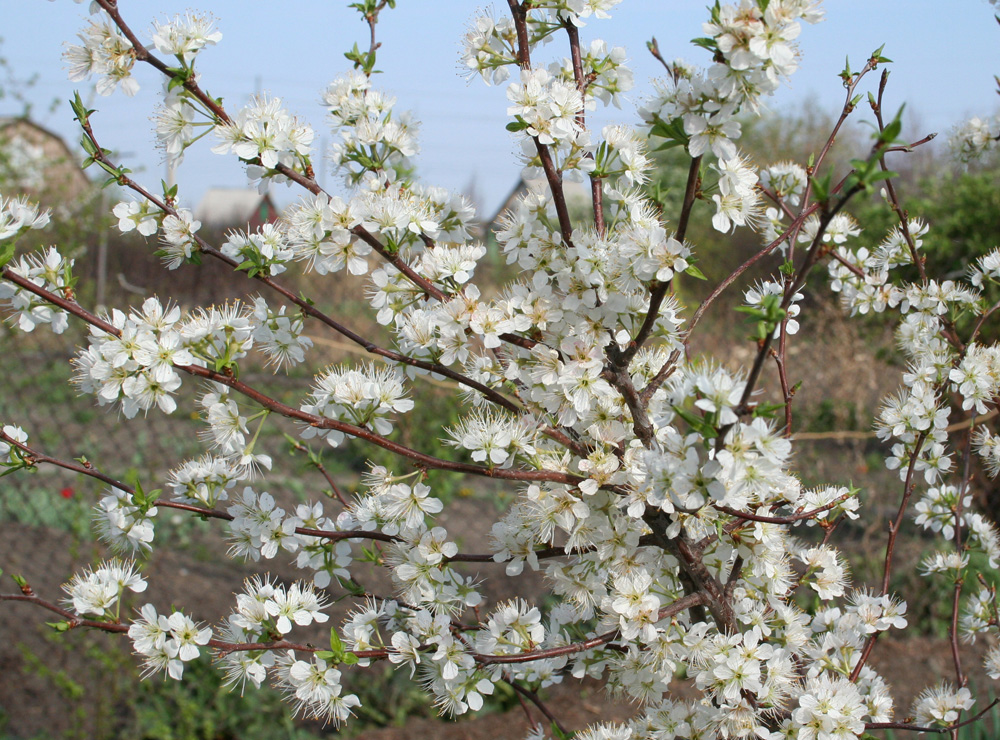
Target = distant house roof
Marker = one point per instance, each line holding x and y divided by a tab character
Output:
235	208
39	162
576	194
21	121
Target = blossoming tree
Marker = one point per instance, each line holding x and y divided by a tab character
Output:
655	489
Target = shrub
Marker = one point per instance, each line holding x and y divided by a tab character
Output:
656	489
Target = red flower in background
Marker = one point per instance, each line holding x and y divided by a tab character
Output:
66	492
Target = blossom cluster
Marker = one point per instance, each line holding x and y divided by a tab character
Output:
184	36
9	453
103	52
371	136
137	362
314	687
975	137
757	50
266	611
264	135
167	643
125	522
364	397
97	592
48	270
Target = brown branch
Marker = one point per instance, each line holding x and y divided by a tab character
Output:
698	580
682	604
319	422
358	231
265	401
654	49
309	309
143	54
767	249
72	619
34	457
848	107
520	13
982	319
534	699
754	517
893	198
894	528
787	393
660	378
960	678
791	288
552	176
483	659
310	184
596	191
659	292
372	20
921	728
317	463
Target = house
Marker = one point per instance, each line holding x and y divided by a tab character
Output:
235	208
38	163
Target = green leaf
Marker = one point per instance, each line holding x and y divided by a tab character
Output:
107	168
883	175
14	469
59	626
877	56
518	125
169	193
350	659
753	311
891	132
668	144
694	272
821	188
674	129
80	111
6	252
336	644
767	410
351	586
696	422
558	734
846	74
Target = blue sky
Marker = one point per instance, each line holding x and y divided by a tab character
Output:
945	55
